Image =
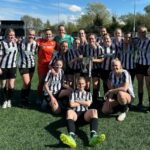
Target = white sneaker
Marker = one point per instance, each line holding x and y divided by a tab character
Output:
9	103
4	104
121	117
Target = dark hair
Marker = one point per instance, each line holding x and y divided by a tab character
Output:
103	27
63	42
76	38
92	34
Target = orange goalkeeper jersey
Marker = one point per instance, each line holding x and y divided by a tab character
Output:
45	51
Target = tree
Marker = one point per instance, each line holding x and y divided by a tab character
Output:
147	9
47	24
99	10
28	20
96	14
32	23
70	27
140	19
38	24
115	24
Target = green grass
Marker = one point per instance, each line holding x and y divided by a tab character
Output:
31	129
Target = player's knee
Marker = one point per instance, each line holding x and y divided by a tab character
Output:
93	113
70	114
120	95
121	98
105	109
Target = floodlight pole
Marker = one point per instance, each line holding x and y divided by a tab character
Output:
134	20
58	10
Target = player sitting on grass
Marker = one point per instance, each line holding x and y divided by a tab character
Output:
54	89
79	102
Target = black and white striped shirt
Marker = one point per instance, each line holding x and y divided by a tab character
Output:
143	48
116	42
9	54
128	56
89	51
72	53
76	53
54	81
80	96
113	49
27	53
99	40
117	81
66	57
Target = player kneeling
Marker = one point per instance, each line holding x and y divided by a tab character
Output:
120	91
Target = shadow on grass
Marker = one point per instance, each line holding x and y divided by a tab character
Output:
54	127
32	100
16	100
135	108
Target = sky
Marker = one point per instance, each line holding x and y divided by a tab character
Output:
64	10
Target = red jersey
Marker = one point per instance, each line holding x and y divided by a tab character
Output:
45	51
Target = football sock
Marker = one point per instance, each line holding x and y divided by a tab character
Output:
140	96
10	93
93	126
70	126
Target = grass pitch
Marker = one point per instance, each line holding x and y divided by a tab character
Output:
32	129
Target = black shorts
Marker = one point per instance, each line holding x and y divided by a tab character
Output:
142	69
76	71
105	74
96	72
63	102
8	73
132	72
69	71
47	98
26	70
81	120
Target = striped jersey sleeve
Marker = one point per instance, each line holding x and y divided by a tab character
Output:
66	58
54	58
76	53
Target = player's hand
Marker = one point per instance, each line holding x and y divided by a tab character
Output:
109	93
77	101
80	58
